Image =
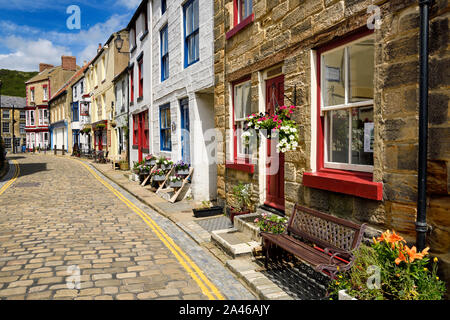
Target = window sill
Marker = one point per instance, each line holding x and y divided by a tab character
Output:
360	185
240	166
143	35
240	26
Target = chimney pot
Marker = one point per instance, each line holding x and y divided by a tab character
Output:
44	66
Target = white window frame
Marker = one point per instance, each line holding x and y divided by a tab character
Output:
238	132
325	111
45	93
240	18
4	126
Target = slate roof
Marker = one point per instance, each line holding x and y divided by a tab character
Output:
9	101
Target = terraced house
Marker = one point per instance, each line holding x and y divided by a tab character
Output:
13	117
352	72
38	92
99	76
64	117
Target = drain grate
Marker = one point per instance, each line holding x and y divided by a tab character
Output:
298	280
27	185
215	223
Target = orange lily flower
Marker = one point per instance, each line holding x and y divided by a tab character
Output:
393	238
400	258
413	254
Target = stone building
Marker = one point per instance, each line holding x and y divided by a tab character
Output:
12	118
64	114
99	85
353	71
38	92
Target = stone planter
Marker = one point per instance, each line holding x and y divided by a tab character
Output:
343	295
237	213
175	184
159	178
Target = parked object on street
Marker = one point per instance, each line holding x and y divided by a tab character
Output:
335	240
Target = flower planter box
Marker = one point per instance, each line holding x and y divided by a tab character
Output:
124	166
212	211
150	163
343	295
175	184
235	213
183	172
159	178
164	167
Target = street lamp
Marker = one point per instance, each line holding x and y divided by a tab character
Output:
118	42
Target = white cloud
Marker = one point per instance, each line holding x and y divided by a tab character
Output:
130	4
27	54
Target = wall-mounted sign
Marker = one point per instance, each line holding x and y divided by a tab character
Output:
84	109
368	137
333	74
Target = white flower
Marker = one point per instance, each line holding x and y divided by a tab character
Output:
295	143
283	150
291	137
256	127
293	130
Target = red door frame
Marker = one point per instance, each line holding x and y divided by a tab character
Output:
275	183
142	137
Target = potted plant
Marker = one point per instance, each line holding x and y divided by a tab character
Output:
389	269
271	223
175	181
181	168
164	163
240	202
206	209
159	175
150	160
123	165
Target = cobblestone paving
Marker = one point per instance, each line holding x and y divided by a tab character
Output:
56	215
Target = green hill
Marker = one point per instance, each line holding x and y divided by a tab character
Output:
14	82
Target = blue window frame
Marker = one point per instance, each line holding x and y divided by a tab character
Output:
75	113
165	128
163	6
191	37
164	53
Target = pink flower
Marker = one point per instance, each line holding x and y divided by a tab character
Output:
278	127
291	111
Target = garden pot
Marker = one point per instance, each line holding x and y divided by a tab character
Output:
176	184
207	212
236	213
124	166
164	167
159	178
183	172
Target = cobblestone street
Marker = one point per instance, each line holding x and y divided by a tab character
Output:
57	217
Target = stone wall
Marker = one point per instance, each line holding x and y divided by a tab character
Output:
286	32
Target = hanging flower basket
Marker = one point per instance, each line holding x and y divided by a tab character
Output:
281	123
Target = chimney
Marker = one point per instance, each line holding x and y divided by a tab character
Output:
69	63
99	47
43	66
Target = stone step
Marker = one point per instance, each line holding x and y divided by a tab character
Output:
234	242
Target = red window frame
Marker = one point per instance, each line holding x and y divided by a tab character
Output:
242	164
135	129
145	143
132	85
344	181
238	26
141	78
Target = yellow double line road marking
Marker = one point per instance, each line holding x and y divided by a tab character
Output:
192	269
10	182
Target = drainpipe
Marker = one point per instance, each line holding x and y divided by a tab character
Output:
421	222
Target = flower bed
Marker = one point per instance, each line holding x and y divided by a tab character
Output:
390	270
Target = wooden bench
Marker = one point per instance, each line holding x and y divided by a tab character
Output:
325	242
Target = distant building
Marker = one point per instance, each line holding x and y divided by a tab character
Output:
38	93
12	117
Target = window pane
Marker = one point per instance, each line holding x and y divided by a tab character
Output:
195	4
242	100
333	78
338	127
361	70
362	135
189	19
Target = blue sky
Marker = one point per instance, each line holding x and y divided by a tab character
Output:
34	31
